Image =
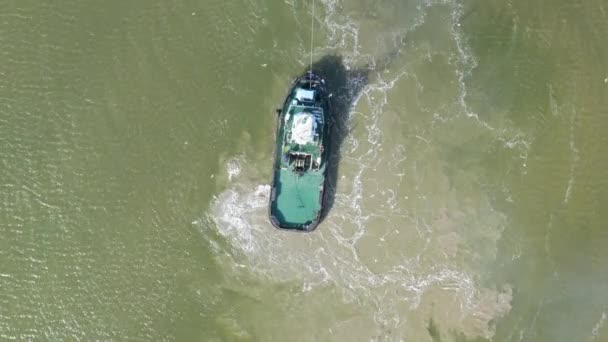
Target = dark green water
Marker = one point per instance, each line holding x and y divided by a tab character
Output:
135	146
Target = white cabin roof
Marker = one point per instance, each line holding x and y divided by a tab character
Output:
303	128
305	95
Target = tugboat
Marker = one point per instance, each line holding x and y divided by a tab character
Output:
300	160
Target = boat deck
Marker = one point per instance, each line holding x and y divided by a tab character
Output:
297	197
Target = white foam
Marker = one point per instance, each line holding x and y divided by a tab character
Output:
231	214
595	332
233	168
575	158
465	62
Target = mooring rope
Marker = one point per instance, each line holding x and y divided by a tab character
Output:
312	33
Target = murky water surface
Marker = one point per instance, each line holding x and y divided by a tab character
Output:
470	189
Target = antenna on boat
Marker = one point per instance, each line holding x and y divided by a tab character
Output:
312	33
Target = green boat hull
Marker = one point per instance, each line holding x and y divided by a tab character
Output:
300	158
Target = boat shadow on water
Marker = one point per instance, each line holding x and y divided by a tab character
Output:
345	86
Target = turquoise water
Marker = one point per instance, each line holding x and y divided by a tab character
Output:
136	145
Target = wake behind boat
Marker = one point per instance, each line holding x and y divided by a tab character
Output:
300	159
